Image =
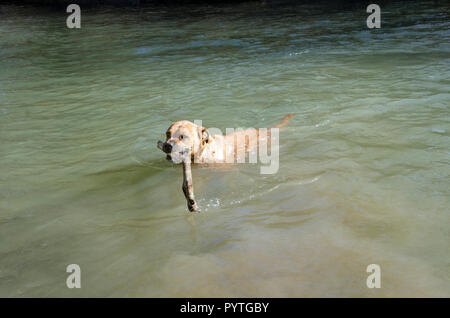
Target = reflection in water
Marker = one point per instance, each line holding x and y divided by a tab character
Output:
364	164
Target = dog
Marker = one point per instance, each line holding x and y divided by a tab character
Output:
187	142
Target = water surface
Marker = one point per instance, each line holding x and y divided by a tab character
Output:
364	164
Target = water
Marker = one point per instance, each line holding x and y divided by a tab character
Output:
364	164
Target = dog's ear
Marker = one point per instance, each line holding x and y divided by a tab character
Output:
204	135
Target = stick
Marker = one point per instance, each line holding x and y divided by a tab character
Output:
188	188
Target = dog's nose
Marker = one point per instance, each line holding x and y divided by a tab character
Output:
164	146
167	147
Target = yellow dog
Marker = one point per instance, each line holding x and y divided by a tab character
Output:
187	142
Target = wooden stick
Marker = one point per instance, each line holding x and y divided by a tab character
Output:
188	187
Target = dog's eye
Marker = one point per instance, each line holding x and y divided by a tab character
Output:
181	137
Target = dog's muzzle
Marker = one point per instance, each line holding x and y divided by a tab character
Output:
168	148
164	146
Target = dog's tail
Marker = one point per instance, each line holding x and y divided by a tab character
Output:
283	122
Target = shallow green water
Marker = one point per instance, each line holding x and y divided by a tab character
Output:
364	164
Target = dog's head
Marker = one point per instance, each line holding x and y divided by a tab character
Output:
184	139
